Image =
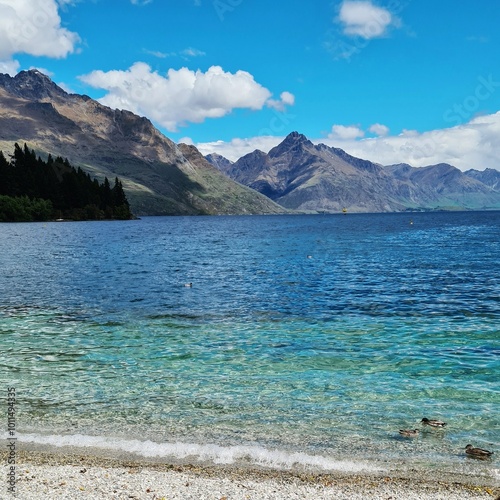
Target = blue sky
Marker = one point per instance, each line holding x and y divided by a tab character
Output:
392	81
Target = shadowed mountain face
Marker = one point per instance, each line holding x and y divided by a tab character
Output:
157	175
302	176
489	176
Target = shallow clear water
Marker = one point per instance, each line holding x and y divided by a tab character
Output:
304	340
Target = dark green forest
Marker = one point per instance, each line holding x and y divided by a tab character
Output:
32	189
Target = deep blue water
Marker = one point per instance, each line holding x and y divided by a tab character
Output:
306	340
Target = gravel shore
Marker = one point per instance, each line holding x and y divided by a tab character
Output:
42	476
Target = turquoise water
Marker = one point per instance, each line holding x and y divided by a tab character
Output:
304	341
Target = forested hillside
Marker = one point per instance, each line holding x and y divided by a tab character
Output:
32	189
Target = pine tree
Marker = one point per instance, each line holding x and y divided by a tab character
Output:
106	195
5	175
119	197
33	189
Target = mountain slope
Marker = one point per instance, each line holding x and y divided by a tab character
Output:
488	176
445	186
156	175
302	176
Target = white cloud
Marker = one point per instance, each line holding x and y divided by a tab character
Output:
66	87
341	132
185	53
191	52
237	147
10	67
45	71
186	140
364	19
286	99
33	27
379	129
471	145
159	54
182	95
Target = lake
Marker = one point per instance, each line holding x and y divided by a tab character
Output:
302	342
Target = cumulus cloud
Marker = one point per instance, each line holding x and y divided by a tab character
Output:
182	95
379	129
286	99
341	132
10	67
364	19
471	145
33	27
238	147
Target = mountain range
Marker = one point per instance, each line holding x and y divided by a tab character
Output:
158	176
302	176
164	178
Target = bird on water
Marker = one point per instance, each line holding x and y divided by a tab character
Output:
409	432
433	423
477	452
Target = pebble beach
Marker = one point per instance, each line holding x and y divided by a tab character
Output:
45	476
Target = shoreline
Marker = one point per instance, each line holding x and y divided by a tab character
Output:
52	475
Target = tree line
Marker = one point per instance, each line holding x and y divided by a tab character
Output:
32	189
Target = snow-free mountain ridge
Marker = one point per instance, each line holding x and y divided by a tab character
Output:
161	177
157	176
300	175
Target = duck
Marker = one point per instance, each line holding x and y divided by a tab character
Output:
409	432
433	423
477	452
188	285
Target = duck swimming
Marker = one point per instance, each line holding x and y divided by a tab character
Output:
409	432
433	423
477	452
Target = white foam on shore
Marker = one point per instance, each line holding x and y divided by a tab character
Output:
223	455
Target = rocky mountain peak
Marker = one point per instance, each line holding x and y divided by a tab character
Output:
219	161
32	85
158	177
296	137
293	142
